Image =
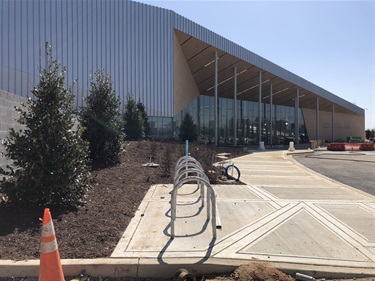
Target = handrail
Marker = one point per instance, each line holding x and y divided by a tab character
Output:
185	167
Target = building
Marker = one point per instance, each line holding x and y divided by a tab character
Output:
172	65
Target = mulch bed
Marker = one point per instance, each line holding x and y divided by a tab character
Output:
93	228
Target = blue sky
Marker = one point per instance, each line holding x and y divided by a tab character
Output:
329	43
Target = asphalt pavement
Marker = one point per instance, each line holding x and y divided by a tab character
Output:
356	169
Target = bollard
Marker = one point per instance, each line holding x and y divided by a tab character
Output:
291	146
261	145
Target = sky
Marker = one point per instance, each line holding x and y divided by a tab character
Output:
329	43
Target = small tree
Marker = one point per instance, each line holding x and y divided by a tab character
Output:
370	134
146	125
50	158
188	131
100	119
133	121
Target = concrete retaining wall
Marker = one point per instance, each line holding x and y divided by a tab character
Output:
8	117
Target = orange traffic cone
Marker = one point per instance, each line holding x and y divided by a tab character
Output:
50	264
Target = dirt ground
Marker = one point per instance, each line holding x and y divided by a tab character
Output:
93	228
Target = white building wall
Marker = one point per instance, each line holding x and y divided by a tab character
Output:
345	125
185	88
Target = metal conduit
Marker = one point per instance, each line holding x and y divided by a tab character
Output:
188	170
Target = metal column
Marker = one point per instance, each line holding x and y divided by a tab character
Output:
235	105
216	98
333	122
260	109
317	119
271	116
296	118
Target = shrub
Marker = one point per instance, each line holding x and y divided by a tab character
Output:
370	134
50	159
146	125
100	119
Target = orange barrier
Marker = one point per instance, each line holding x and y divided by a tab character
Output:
350	146
367	146
50	263
336	146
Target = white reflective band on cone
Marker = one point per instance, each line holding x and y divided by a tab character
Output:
47	229
48	247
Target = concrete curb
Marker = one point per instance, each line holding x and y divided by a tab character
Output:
152	268
308	151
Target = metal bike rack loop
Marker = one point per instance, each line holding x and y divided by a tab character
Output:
188	170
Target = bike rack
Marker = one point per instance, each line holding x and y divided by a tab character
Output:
191	165
222	162
188	170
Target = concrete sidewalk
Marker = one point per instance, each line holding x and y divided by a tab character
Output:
284	214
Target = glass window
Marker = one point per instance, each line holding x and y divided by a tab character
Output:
202	111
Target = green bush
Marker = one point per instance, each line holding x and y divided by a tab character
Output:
50	158
100	119
146	125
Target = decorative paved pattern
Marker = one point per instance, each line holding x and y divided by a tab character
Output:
284	213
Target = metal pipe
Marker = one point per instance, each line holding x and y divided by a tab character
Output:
260	109
317	119
333	122
216	98
208	204
202	194
213	203
271	116
235	106
296	118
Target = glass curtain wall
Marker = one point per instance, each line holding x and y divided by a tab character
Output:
202	111
161	127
